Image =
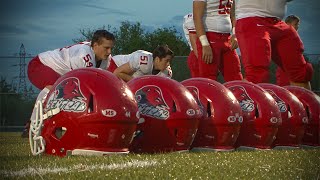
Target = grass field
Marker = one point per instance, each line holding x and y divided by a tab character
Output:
17	162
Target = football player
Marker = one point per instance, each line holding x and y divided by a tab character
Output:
282	78
191	36
47	67
263	36
140	63
213	21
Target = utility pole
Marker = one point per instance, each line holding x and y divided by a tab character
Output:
18	83
22	86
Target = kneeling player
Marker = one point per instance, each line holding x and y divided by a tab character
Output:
141	63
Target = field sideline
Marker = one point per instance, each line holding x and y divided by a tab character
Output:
17	162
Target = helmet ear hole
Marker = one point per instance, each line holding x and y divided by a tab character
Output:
257	113
60	131
289	112
174	107
308	111
175	132
208	109
90	108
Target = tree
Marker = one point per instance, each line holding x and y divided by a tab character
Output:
15	109
168	36
131	37
86	34
4	86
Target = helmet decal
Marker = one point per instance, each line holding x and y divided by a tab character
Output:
195	93
246	103
236	117
151	102
109	112
67	96
280	103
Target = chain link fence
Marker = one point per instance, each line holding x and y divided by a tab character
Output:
15	108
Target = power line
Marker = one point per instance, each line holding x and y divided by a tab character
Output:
14	57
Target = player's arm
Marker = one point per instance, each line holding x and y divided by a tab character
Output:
198	12
193	38
233	40
124	72
233	14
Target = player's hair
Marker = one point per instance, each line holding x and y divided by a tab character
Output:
99	34
162	51
292	18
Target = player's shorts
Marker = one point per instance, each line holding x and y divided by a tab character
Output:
225	60
41	75
262	39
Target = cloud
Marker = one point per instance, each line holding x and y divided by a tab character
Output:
108	10
11	30
178	18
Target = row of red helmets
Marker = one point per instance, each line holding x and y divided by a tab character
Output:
237	114
100	114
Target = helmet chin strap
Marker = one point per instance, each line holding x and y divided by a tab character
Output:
37	143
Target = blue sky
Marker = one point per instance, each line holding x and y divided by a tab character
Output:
44	25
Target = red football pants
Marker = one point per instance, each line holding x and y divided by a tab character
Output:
225	60
41	75
193	64
281	78
262	39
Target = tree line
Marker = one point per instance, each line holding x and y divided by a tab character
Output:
131	37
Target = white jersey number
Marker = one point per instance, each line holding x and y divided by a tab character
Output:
225	7
143	60
87	59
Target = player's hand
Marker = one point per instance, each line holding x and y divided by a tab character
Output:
207	56
233	42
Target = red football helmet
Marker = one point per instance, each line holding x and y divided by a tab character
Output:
294	118
220	126
169	115
261	116
311	103
92	112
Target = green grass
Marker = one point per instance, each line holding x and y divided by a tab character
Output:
17	162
